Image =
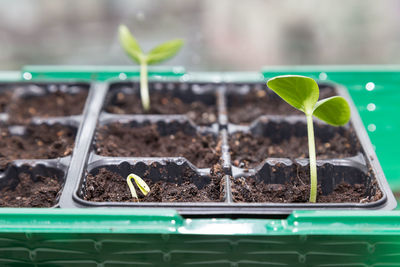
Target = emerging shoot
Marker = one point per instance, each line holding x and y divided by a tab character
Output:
303	93
144	188
158	54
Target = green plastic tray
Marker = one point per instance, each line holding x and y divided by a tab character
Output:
104	237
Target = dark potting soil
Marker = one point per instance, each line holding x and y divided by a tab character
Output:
297	191
39	142
243	109
107	186
51	105
5	98
119	140
247	150
39	191
198	111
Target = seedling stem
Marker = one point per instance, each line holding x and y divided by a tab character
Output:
144	86
313	161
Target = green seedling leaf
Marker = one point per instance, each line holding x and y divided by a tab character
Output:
144	188
334	111
303	93
158	54
130	44
299	91
164	51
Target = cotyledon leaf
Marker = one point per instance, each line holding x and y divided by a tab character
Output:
299	91
333	110
164	51
144	188
130	44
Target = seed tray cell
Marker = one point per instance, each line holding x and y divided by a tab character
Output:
181	179
276	137
247	102
157	137
344	180
44	139
33	183
28	101
196	101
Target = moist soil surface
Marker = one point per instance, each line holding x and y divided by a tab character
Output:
248	151
243	109
107	186
297	191
5	98
38	192
119	140
199	112
56	104
39	142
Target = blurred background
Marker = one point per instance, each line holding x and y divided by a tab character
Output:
220	35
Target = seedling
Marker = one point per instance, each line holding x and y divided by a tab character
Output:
156	55
303	93
144	188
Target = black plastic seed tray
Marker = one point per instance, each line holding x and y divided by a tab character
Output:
40	136
207	111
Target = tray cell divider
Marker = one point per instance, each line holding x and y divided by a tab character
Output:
94	104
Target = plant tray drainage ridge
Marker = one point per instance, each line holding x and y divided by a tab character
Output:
216	156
